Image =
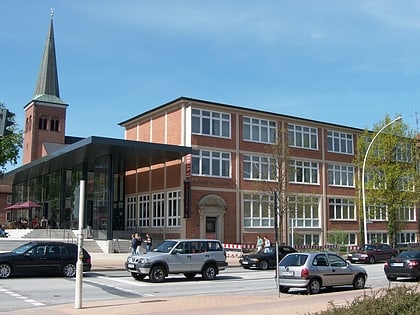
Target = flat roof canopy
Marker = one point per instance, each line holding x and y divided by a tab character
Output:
134	154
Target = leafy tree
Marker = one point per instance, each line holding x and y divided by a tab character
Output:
391	174
10	146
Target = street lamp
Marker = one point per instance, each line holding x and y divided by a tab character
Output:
363	176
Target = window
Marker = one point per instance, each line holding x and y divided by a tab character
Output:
302	137
260	167
209	123
54	125
210	163
342	209
158	218
174	212
403	152
341	175
42	123
407	213
131	211
377	213
9	199
259	130
377	238
144	210
340	142
258	210
406	183
304	211
406	238
303	172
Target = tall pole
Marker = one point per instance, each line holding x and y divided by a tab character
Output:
363	176
79	263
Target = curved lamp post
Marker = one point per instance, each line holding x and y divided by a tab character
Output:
363	176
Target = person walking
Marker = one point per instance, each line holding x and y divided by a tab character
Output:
148	242
139	240
133	243
267	243
259	243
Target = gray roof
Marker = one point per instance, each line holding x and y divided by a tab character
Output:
126	155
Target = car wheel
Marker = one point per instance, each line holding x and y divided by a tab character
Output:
391	278
264	264
138	276
314	286
69	270
157	274
359	282
283	289
5	270
189	275
371	260
209	272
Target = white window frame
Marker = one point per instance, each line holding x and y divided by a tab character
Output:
300	136
131	211
158	209
303	172
340	175
341	209
210	123
174	211
211	163
377	213
259	130
305	211
144	210
340	142
261	168
407	213
258	211
406	237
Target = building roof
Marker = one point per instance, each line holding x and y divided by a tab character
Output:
129	121
126	155
47	89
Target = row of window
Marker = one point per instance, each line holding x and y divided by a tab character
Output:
54	124
218	124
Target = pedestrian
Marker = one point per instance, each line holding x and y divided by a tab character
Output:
267	244
148	242
259	243
133	244
139	240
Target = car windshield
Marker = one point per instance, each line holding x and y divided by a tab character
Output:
367	247
164	247
293	260
409	255
22	249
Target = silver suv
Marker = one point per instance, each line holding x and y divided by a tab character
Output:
187	256
316	270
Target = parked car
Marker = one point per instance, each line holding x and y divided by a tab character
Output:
371	253
406	264
265	258
316	270
187	256
42	258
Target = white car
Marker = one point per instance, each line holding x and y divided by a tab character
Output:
187	256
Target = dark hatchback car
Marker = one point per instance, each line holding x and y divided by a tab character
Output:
42	258
265	258
371	253
406	265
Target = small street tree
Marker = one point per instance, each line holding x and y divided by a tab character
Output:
391	175
10	146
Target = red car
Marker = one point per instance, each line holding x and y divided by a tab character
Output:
371	253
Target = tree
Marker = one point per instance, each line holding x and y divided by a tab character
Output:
391	175
10	146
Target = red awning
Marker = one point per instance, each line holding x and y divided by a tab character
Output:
24	205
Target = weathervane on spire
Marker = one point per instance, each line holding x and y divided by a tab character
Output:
52	13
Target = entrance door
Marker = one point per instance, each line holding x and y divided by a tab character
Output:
211	224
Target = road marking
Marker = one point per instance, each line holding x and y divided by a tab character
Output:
113	287
21	297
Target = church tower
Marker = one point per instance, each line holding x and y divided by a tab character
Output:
45	114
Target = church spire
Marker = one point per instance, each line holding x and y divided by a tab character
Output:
47	89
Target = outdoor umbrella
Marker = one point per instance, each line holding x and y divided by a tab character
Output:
24	205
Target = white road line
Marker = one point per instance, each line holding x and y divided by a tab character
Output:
21	297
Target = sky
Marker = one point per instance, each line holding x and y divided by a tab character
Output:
343	62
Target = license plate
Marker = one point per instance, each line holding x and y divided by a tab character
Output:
287	273
355	258
397	264
130	266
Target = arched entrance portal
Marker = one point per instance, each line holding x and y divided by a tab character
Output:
212	210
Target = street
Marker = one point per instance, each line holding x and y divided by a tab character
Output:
36	292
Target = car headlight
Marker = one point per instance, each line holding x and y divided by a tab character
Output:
254	259
144	260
